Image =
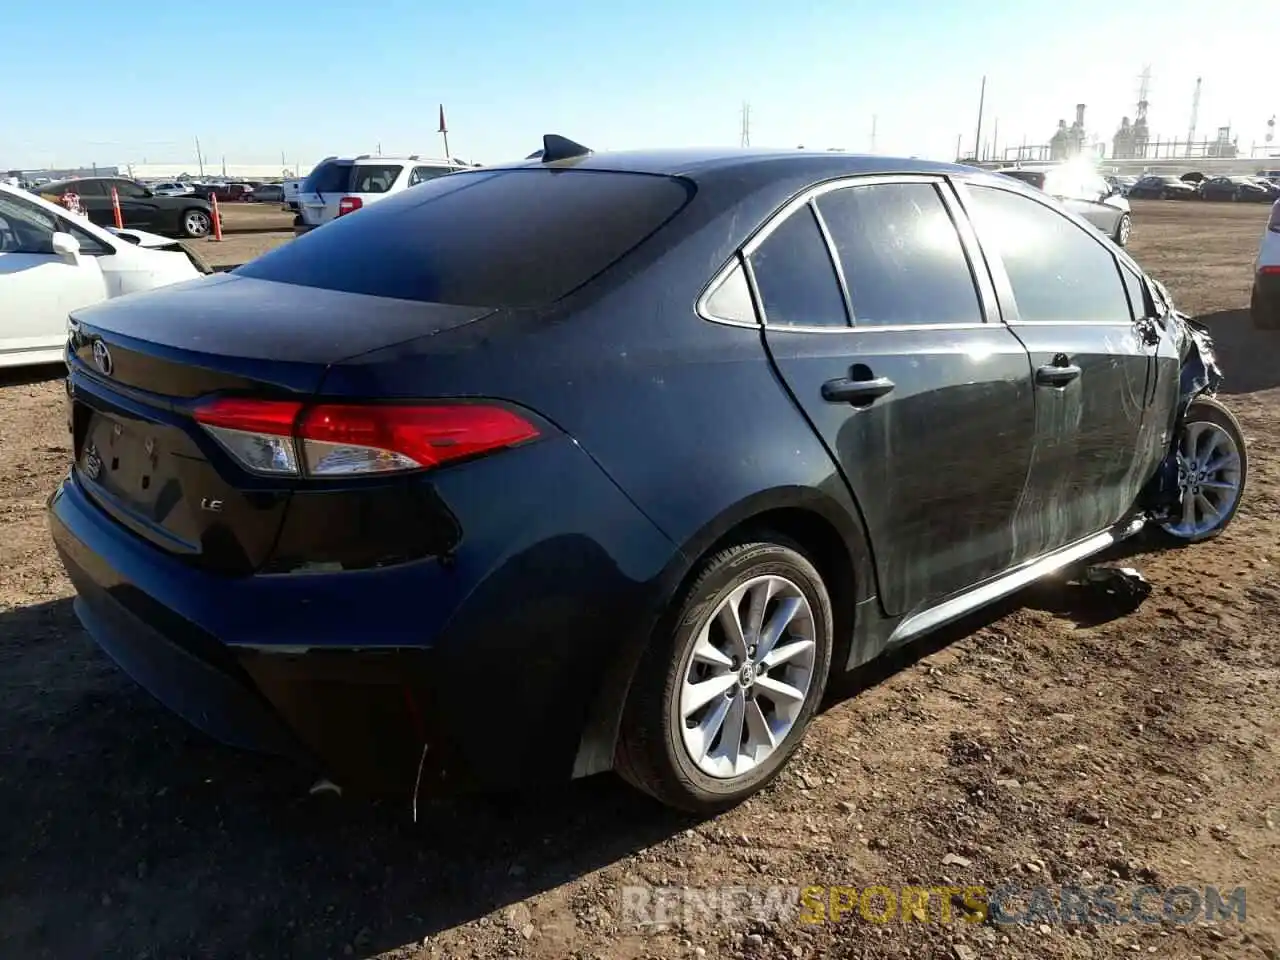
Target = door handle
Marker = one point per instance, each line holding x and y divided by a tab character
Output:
1057	374
856	392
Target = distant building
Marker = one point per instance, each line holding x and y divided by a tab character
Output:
191	171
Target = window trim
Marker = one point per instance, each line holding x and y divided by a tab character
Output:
995	263
989	302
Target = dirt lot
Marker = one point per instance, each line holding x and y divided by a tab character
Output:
1050	741
249	229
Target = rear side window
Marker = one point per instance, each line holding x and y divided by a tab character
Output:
901	255
1059	273
374	178
421	174
500	238
795	276
330	177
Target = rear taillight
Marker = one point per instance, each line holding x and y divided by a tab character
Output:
349	205
284	438
1273	223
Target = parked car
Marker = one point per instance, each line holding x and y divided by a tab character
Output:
1264	305
171	189
187	216
1158	186
337	187
1084	192
1122	184
1234	188
291	188
233	192
649	444
1272	187
52	262
268	193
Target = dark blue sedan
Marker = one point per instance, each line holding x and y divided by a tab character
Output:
597	462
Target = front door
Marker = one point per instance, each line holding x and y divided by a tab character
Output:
38	288
138	208
1064	296
926	407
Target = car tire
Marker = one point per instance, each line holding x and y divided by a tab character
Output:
196	223
1123	227
1212	454
673	748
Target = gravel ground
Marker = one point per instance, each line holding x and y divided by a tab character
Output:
1053	740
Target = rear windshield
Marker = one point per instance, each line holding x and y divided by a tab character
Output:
500	238
329	177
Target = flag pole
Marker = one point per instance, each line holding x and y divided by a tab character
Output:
444	132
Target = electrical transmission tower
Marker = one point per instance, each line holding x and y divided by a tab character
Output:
746	124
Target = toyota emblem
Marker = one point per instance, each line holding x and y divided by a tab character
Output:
102	357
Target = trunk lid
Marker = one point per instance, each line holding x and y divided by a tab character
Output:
140	365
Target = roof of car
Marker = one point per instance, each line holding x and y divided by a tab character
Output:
693	162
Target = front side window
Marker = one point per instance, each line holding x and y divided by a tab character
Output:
86	188
1058	271
795	277
128	190
902	258
24	227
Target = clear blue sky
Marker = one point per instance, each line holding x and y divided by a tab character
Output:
313	78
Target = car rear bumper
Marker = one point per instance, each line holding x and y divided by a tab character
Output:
492	662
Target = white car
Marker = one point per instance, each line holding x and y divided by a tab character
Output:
172	189
53	261
1084	192
1264	306
338	186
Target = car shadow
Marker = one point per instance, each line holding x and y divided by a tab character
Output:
30	375
1247	355
135	835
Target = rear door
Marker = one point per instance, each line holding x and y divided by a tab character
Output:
878	323
95	200
323	190
1062	293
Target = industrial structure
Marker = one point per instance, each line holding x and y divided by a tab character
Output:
1133	141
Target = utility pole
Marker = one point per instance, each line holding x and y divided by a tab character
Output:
745	139
443	130
959	141
873	133
982	101
995	139
200	158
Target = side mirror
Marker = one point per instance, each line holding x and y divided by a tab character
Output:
67	247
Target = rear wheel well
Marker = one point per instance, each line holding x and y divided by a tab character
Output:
818	540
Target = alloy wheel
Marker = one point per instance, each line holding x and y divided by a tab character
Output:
196	223
748	676
1209	479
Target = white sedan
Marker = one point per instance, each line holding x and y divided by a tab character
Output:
53	261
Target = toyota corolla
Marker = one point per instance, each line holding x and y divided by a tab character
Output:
610	461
